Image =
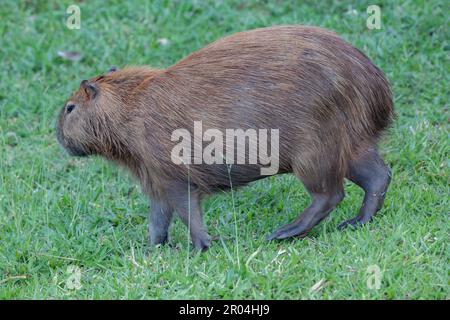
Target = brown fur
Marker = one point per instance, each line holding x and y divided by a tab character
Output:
329	101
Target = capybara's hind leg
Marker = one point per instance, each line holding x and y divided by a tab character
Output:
323	202
373	176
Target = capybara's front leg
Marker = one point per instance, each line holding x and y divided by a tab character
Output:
186	202
159	221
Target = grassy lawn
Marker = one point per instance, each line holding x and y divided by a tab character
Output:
64	219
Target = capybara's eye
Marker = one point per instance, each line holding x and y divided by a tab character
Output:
70	108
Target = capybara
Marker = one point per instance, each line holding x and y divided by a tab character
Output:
326	102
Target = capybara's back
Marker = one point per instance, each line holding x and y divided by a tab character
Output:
328	102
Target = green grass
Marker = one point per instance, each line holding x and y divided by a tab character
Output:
57	212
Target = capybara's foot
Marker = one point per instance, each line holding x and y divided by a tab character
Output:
353	222
201	242
157	239
287	231
322	204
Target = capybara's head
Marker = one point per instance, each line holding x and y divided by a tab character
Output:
93	120
85	123
78	123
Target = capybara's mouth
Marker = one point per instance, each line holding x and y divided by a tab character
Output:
76	152
59	137
72	150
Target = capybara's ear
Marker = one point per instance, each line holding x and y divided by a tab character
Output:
90	89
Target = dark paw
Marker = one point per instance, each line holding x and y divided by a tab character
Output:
353	223
157	240
202	242
287	231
